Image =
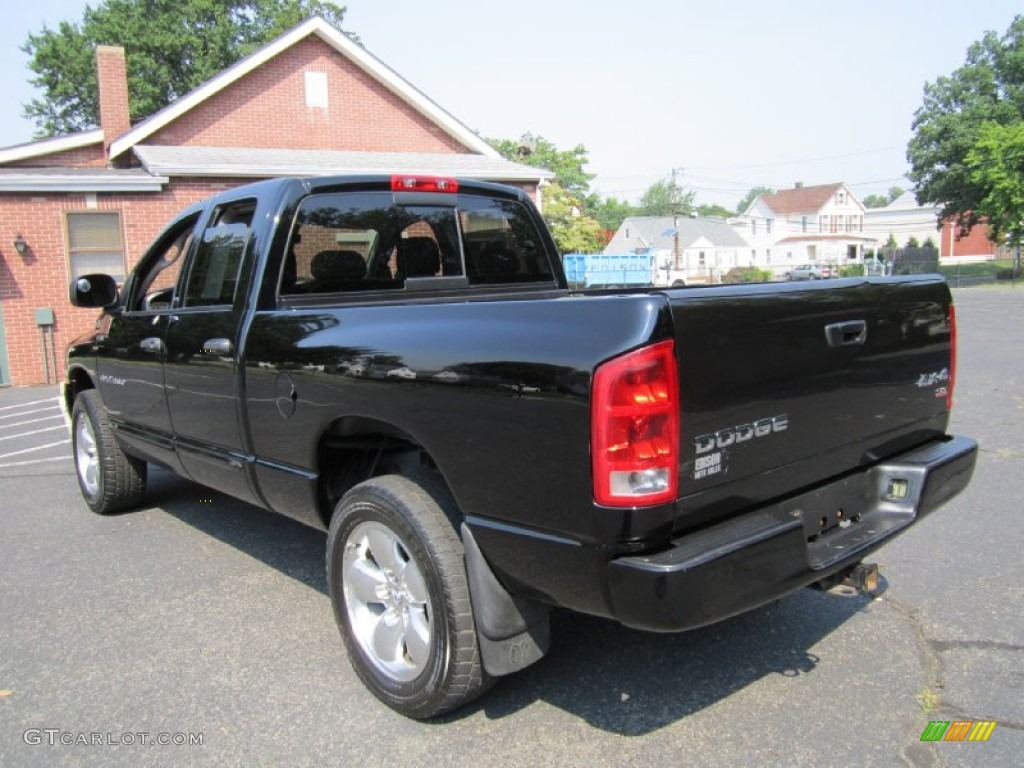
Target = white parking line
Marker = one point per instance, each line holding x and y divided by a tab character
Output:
26	413
34	461
34	402
37	448
33	432
32	421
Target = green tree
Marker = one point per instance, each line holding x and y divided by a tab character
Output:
662	198
171	47
572	230
715	211
610	212
567	164
880	201
988	88
996	166
912	242
751	196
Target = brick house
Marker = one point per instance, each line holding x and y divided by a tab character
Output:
311	102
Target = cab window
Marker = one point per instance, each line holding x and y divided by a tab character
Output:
213	277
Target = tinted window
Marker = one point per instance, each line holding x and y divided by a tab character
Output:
213	276
502	243
363	241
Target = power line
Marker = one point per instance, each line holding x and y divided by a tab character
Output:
794	162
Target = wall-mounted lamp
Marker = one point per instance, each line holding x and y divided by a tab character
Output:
19	244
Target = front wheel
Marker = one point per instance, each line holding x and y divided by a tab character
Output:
398	584
110	479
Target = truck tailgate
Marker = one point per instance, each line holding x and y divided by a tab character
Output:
784	386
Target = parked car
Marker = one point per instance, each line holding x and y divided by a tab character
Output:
810	272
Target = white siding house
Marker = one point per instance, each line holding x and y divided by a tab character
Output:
820	224
903	218
708	248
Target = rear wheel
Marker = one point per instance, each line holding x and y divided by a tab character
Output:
398	585
110	479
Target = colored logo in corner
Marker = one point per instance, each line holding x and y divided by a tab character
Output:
958	730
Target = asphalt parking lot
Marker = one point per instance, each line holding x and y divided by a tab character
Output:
201	619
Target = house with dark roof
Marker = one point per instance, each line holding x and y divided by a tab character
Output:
821	224
686	249
310	102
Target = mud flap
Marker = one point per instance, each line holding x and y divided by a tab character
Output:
513	633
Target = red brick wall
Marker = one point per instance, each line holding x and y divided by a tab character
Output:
973	243
40	277
267	108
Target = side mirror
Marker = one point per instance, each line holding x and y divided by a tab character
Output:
93	291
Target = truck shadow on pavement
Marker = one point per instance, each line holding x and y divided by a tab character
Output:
619	680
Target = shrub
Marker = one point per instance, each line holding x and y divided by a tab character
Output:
854	270
747	275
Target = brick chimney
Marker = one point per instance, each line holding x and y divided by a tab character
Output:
112	77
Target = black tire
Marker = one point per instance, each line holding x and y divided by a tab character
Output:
110	479
423	545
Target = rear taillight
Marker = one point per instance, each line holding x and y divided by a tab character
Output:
411	183
952	358
635	428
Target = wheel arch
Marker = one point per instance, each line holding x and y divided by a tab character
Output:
352	449
78	380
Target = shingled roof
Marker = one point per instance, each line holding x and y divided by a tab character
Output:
800	199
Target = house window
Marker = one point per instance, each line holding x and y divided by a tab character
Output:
316	89
841	198
95	244
627	233
768	225
822	223
834	223
753	226
768	255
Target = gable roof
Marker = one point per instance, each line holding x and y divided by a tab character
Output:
340	42
258	162
800	199
657	232
50	146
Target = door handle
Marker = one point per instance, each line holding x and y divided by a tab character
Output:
152	344
220	347
846	334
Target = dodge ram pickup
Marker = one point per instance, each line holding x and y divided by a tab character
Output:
399	361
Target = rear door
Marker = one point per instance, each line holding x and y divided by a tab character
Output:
201	361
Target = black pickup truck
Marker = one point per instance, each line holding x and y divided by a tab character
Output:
398	360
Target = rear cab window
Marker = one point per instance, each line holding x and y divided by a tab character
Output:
363	241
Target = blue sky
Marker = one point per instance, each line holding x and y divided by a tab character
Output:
733	93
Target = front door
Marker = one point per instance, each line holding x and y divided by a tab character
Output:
202	357
130	350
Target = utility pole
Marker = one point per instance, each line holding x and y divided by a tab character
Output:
675	217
